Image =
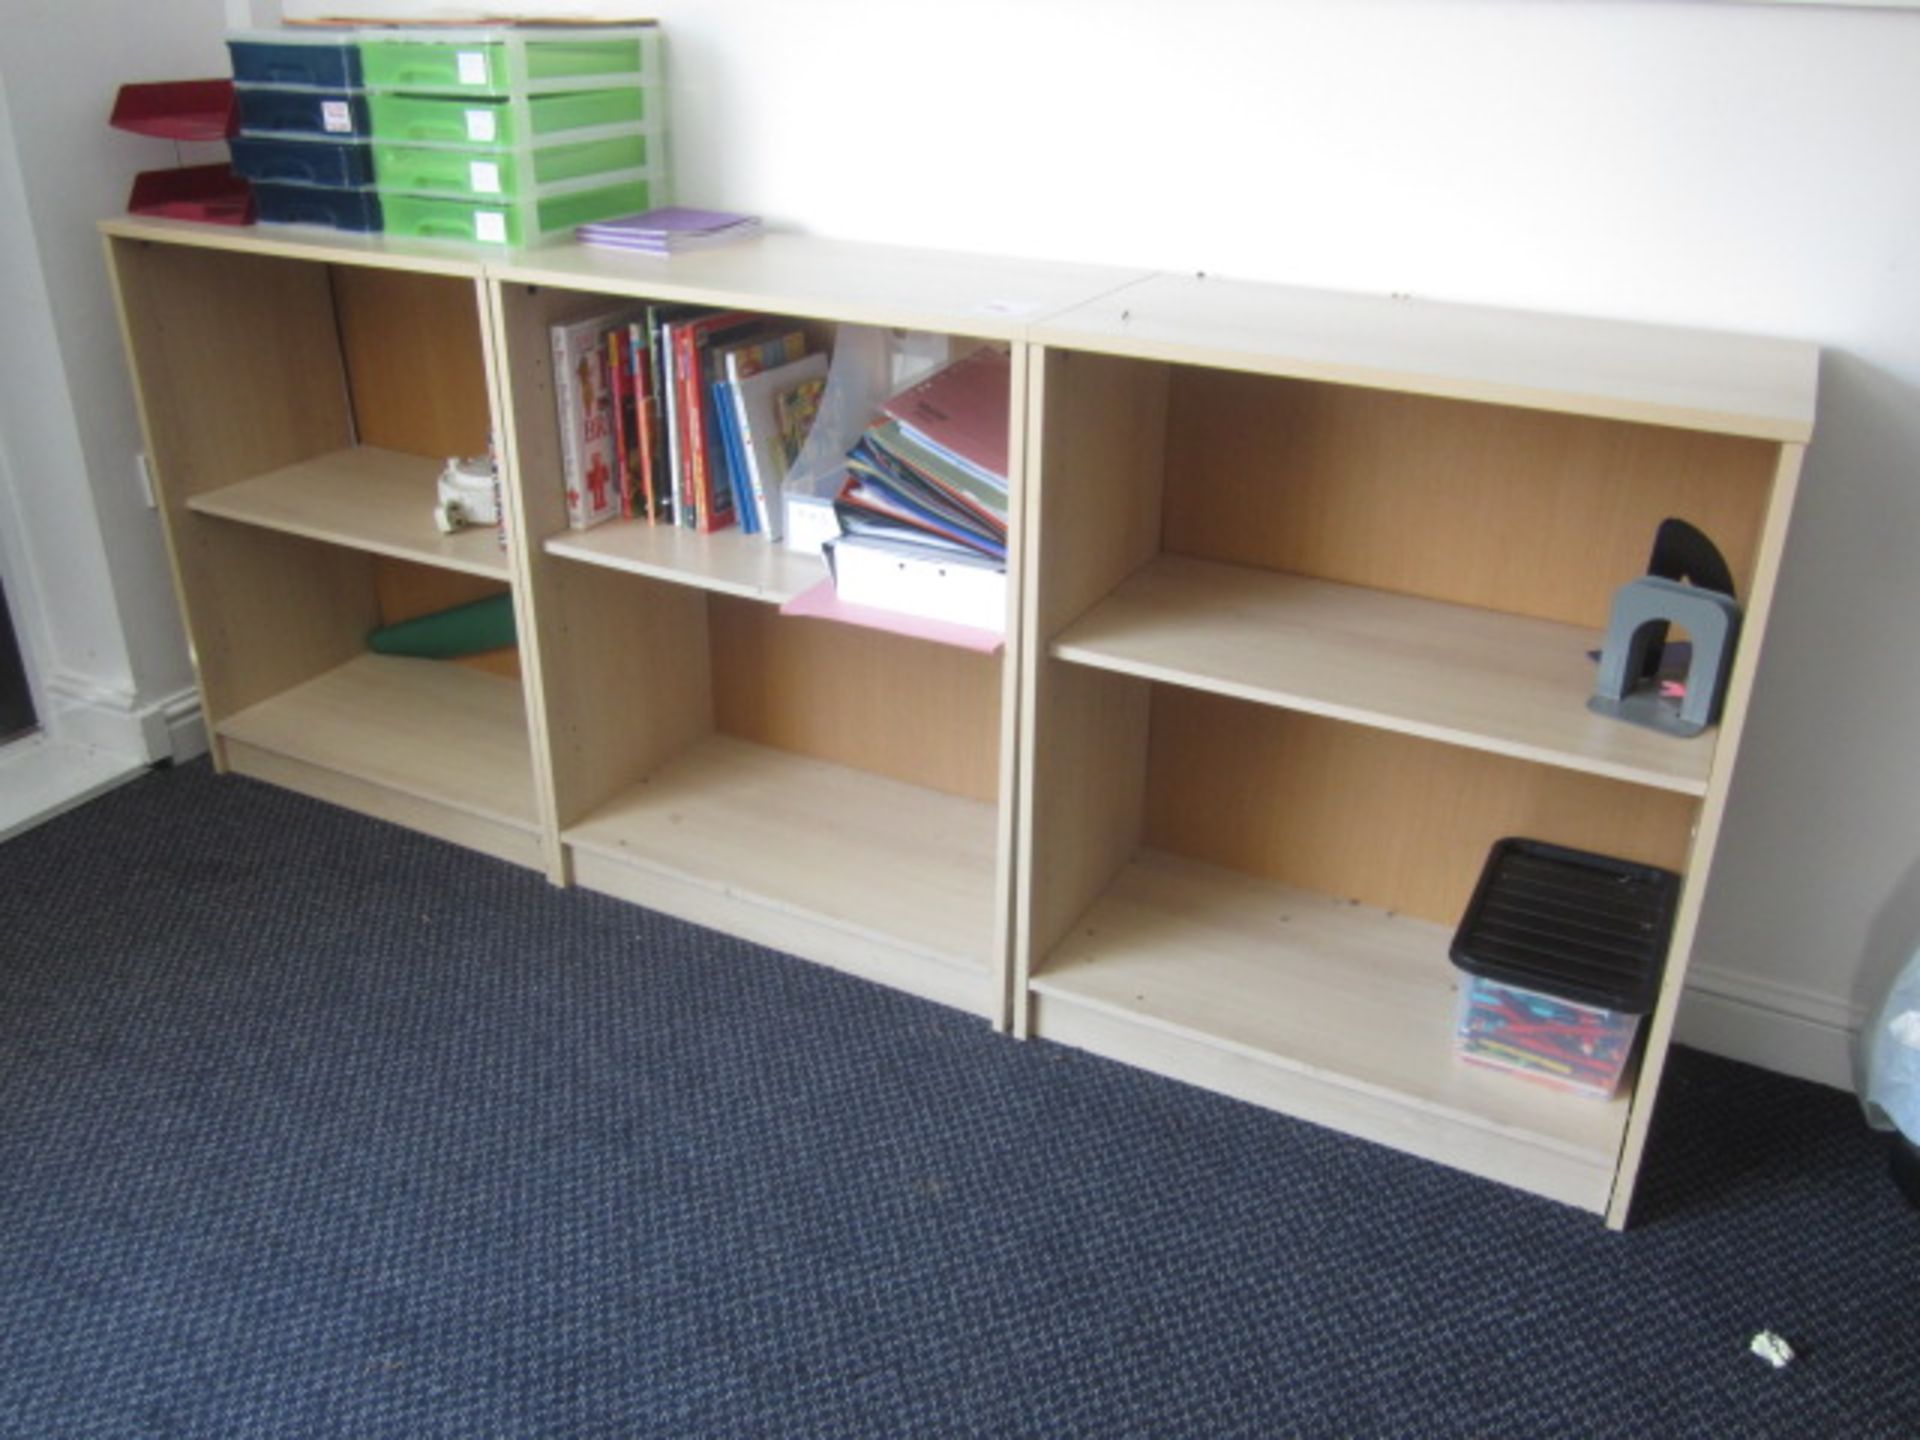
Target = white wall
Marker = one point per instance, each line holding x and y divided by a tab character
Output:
84	557
1739	166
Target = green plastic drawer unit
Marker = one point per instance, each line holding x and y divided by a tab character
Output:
509	174
516	222
505	119
506	61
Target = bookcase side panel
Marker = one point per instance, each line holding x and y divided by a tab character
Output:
270	610
1526	511
625	680
1100	438
1706	839
1386	819
1097	438
237	361
237	370
1087	796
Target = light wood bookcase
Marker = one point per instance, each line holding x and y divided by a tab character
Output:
299	398
1303	589
1312	585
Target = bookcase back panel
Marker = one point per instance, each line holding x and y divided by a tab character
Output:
1364	814
1098	508
415	364
625	679
1517	510
407	590
925	714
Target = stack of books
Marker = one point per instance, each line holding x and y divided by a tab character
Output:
923	508
669	230
682	415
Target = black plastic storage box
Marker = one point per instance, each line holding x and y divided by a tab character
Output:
1562	951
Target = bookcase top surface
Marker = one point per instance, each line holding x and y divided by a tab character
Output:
990	296
327	247
1692	379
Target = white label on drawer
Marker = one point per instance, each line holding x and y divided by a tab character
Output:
473	66
484	177
483	125
335	117
491	226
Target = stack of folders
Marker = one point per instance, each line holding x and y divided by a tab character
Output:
669	230
923	508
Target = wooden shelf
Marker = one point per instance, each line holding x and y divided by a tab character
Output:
727	561
366	498
816	847
429	742
1501	683
1333	1011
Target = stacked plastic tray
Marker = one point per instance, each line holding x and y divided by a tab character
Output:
506	135
304	138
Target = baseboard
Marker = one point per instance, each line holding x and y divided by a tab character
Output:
1784	1028
118	724
186	726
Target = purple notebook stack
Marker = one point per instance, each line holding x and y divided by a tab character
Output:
668	230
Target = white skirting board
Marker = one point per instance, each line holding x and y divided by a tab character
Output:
1777	1027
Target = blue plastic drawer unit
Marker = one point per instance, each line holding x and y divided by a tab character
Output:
304	162
338	114
324	59
335	208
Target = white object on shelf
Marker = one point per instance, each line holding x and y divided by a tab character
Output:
468	495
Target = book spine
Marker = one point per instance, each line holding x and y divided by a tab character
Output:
572	432
621	395
693	428
749	460
644	421
736	478
668	382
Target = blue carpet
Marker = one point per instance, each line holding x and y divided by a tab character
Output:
311	1127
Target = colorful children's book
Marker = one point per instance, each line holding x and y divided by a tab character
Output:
584	399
